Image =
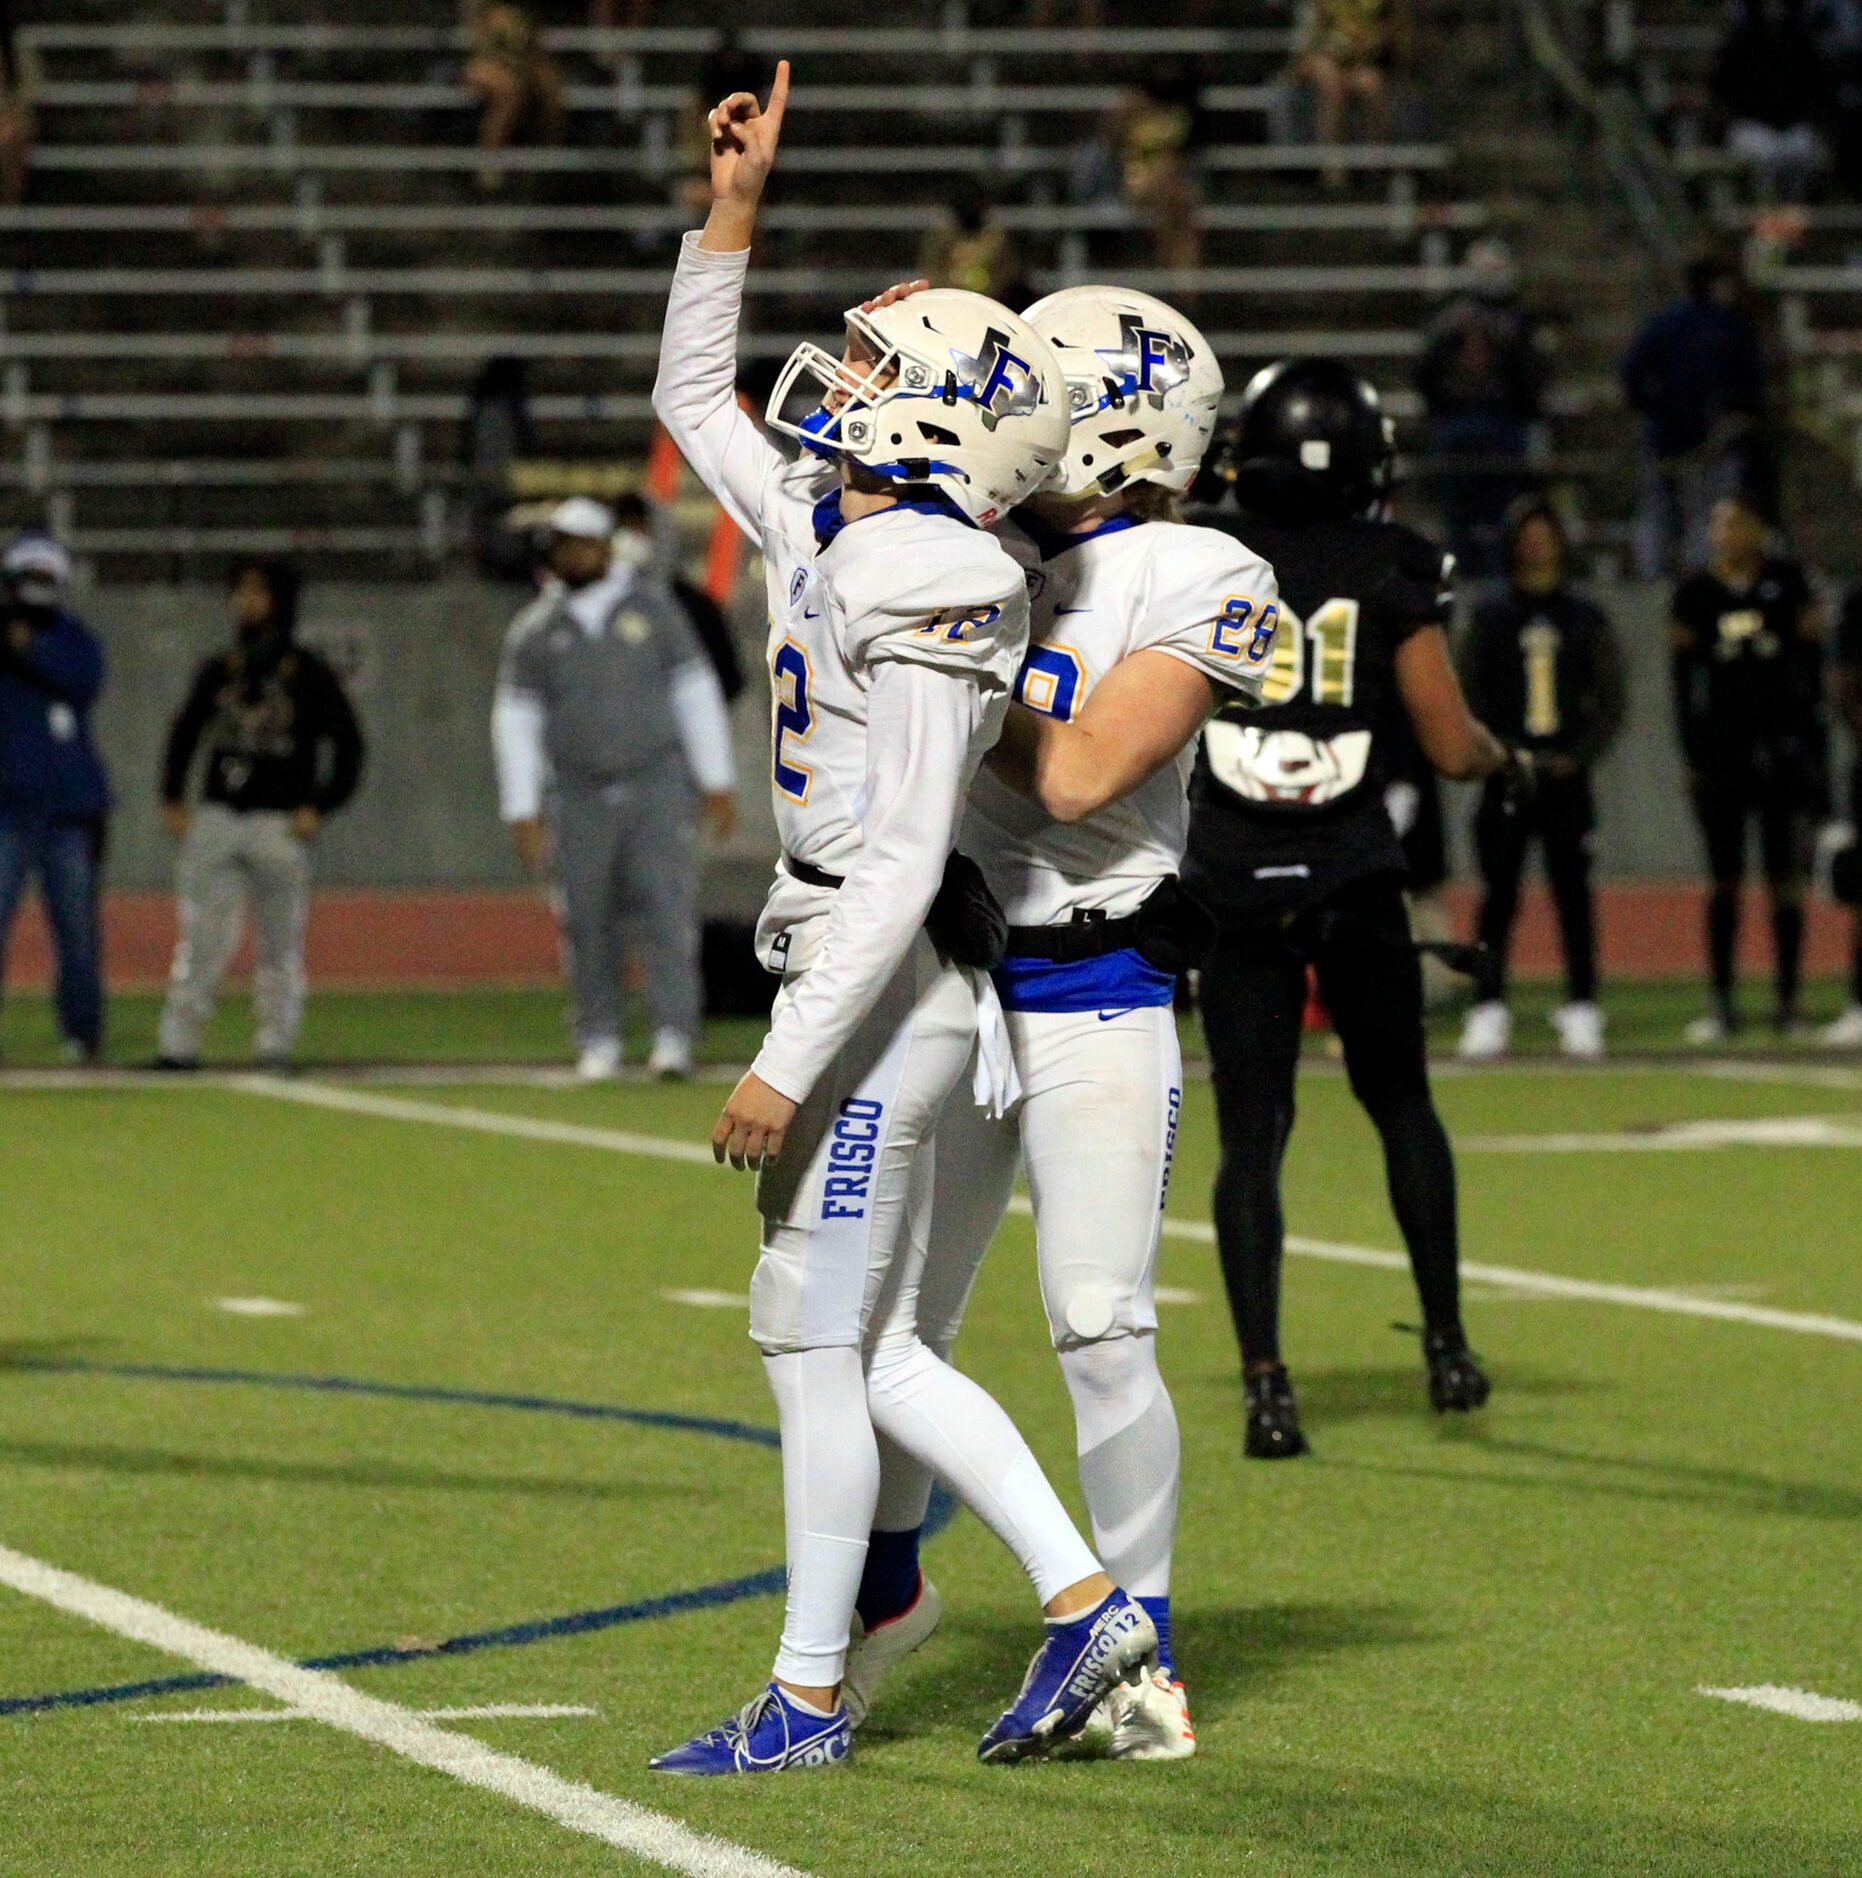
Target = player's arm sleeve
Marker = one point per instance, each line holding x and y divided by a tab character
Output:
185	733
340	732
695	395
920	721
1215	606
1608	700
517	731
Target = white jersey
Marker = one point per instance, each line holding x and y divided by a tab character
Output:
1195	594
872	743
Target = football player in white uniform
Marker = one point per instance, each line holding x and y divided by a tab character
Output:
1142	626
897	628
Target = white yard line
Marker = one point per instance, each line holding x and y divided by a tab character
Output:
258	1307
1799	1704
1675	1303
320	1696
1768	1131
480	1711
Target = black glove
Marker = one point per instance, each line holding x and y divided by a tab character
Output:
1846	874
1175	931
966	922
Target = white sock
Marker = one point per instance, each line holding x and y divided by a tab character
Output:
956	1429
1130	1455
830	1481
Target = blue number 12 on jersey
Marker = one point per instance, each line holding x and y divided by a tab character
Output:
795	717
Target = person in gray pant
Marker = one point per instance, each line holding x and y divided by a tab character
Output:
284	751
611	738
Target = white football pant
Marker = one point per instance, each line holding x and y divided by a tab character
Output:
1096	1129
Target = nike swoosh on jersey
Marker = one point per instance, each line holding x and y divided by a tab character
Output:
808	615
1062	611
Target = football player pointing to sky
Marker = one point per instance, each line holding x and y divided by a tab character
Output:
897	626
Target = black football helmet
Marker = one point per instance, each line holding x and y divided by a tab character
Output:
1319	416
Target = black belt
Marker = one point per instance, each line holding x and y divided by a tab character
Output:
810	875
1083	937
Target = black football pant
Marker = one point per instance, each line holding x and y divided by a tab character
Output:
1726	809
1560	817
1253	1000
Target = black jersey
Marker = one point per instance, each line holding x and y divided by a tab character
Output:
1543	670
1287	800
1747	675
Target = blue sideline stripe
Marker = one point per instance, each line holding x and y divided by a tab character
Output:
389	1656
414	1392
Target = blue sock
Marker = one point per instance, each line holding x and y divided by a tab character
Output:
1158	1611
890	1581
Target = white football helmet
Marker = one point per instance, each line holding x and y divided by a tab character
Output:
1142	388
961	394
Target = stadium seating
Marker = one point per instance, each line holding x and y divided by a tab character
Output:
254	251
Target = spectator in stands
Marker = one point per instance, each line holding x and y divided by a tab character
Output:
1846	690
646	540
609	729
283	753
1748	680
1696	376
1152	139
1836	26
517	84
17	126
1480	377
1770	83
1345	50
54	795
498	433
971	251
1543	669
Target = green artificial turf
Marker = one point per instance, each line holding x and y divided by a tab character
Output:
526	1026
1431	1649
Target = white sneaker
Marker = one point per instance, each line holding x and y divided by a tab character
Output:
671	1060
600	1060
1486	1032
873	1654
1845	1033
1151	1720
1580	1031
1706	1031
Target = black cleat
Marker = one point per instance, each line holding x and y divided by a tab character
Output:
1273	1417
1456	1379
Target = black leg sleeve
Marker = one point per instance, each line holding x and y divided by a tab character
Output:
1722	812
1785	840
1372	982
1566	817
1500	846
1253	998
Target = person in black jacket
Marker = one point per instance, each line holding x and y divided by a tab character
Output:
1846	694
1293	850
1747	643
283	751
1542	668
54	794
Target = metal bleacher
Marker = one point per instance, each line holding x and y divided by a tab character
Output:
1807	257
257	275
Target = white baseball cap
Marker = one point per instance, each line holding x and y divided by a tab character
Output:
583	518
41	555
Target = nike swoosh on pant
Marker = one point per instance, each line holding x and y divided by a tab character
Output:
1105	1017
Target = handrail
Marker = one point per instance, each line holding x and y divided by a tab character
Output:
1633	155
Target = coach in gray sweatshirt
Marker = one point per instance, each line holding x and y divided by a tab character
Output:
610	734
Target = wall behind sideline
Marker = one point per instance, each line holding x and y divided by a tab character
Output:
422	661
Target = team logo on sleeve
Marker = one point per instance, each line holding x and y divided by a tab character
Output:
1001	382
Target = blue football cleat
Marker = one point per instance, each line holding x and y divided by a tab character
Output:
1083	1660
770	1735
